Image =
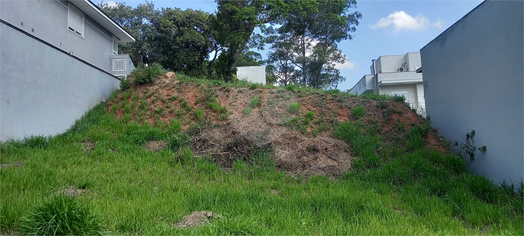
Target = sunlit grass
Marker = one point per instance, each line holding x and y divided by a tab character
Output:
135	191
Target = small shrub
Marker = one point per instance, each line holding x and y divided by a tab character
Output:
255	102
124	84
146	75
253	86
160	111
36	142
310	115
399	98
62	215
246	111
185	156
294	108
175	126
358	112
127	94
200	114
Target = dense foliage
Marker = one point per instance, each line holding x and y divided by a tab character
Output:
303	37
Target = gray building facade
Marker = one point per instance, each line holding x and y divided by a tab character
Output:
473	80
55	64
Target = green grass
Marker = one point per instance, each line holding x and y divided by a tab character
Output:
135	191
255	102
358	112
294	108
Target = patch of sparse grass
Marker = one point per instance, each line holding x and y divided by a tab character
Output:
358	112
294	108
200	114
246	111
255	102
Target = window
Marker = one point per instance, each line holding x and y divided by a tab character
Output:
119	64
75	20
115	45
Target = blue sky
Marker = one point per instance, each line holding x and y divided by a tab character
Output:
386	28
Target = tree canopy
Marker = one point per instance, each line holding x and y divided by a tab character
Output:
302	34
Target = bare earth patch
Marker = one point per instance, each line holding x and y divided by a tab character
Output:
17	164
155	146
196	218
72	191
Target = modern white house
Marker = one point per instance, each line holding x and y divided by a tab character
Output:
253	74
58	59
395	75
473	80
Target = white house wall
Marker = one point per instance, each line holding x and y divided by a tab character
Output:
43	90
473	80
410	88
388	64
253	74
48	20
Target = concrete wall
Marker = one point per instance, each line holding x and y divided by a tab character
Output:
364	85
42	90
473	80
253	74
48	20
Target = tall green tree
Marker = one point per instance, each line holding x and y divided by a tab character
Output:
309	33
184	40
235	23
137	21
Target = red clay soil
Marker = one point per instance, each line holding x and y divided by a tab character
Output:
298	147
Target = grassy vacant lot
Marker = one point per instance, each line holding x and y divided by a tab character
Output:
131	190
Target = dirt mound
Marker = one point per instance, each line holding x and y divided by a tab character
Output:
196	218
228	123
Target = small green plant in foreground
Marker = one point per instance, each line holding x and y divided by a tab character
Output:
61	215
294	108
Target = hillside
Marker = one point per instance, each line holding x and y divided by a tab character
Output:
197	157
227	123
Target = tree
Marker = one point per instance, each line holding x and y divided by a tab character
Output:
137	21
250	58
309	33
235	23
184	40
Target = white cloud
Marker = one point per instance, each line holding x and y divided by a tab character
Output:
346	65
400	21
110	3
439	23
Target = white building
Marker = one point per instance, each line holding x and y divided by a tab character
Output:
253	74
473	80
395	75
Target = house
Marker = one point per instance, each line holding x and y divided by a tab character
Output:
473	80
58	59
253	74
395	75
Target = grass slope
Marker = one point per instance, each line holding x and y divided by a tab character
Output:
135	191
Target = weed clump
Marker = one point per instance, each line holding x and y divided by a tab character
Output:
146	75
358	111
62	215
294	108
